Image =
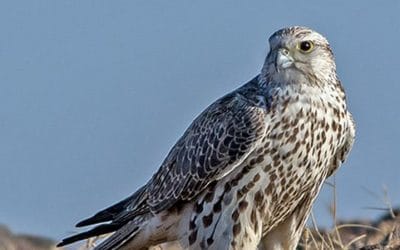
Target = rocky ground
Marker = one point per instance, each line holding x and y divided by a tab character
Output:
11	241
381	234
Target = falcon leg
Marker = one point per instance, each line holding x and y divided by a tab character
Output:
287	234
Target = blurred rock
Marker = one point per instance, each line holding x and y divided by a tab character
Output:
11	241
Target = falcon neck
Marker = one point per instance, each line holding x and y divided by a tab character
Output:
329	90
276	91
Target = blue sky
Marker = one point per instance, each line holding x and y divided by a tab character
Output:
93	94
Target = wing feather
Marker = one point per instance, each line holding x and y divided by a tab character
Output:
214	144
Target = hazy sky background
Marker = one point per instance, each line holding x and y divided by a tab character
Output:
93	94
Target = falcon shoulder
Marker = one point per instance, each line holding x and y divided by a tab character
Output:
217	141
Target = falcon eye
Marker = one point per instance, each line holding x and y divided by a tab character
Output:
306	46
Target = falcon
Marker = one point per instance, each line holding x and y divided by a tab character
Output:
246	172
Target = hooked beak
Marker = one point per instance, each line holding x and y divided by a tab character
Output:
283	59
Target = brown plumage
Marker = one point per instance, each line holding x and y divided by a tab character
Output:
245	173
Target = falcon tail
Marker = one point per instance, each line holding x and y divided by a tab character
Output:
115	210
118	215
99	230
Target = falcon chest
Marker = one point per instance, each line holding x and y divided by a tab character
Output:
304	130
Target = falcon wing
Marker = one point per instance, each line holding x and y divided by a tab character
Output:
214	144
341	154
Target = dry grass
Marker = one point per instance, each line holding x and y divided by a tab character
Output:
383	233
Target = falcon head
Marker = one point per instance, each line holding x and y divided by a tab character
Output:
298	52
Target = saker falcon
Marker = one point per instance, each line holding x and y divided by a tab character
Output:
246	172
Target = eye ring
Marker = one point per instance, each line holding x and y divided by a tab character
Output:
305	46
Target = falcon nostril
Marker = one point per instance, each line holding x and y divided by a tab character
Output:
285	52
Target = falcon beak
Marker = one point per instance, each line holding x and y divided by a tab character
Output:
283	59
